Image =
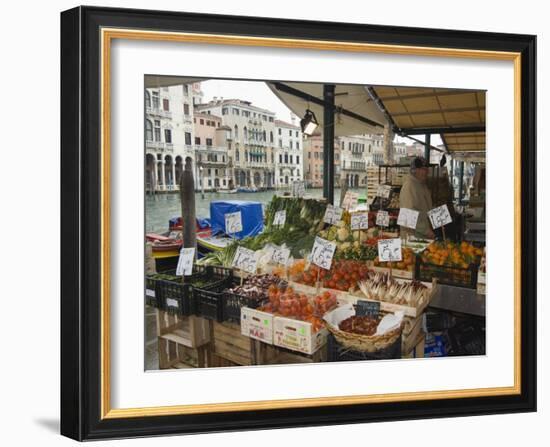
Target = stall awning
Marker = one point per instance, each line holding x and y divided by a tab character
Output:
356	111
457	115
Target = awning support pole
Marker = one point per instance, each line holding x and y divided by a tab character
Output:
328	142
427	145
460	185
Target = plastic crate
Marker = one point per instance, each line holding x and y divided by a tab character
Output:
152	290
233	302
209	299
451	276
178	298
338	353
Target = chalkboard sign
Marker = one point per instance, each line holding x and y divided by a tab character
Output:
367	308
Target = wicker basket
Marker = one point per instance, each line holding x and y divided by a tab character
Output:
365	343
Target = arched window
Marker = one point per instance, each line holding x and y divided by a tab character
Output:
147	99
271	137
237	155
264	136
148	130
236	132
246	155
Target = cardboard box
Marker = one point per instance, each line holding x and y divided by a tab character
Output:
298	335
257	325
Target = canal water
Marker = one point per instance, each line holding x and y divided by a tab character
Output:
160	208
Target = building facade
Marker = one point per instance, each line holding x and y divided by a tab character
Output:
288	150
169	134
313	161
250	145
212	168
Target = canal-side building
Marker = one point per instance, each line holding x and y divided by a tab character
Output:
169	134
353	160
251	143
313	161
289	147
212	168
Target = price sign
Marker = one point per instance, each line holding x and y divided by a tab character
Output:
389	250
383	191
382	219
185	262
279	218
407	218
245	260
233	222
298	188
440	216
350	200
332	214
367	308
360	221
322	253
280	255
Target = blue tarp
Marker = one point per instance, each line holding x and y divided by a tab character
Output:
251	216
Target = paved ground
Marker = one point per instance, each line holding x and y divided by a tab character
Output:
151	353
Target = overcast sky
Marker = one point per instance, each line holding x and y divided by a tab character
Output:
261	96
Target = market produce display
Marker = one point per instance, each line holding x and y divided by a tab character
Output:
452	254
407	262
381	287
256	287
343	274
363	325
304	218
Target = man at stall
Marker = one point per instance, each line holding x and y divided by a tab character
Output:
416	195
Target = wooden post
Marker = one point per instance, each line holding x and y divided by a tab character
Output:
187	197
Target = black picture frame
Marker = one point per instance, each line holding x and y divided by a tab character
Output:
81	217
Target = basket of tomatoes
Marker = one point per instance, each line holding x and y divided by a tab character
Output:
343	275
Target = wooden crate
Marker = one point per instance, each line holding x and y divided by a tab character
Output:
189	331
417	349
176	355
229	344
264	354
412	332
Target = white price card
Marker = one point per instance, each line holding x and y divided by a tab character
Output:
280	255
322	253
245	260
440	216
233	222
389	250
185	262
332	214
350	200
383	191
382	219
298	188
407	218
279	218
359	221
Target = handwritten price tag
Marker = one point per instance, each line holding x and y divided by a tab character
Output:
360	221
298	188
332	214
440	216
407	218
279	218
185	262
245	260
383	191
389	250
322	253
280	255
233	222
382	219
350	200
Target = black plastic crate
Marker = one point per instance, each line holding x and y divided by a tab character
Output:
209	299
178	298
233	302
152	289
338	353
452	276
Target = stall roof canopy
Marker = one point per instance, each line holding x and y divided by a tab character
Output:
458	115
356	111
